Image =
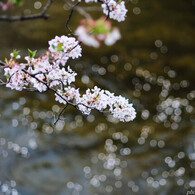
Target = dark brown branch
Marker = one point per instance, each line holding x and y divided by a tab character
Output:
108	15
69	17
55	91
102	1
61	112
42	15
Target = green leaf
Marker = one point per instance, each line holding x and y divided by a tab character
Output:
7	76
32	53
16	2
100	27
59	47
15	53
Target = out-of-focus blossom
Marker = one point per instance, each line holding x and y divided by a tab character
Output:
6	6
93	32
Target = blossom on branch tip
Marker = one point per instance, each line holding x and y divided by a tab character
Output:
62	48
114	10
98	99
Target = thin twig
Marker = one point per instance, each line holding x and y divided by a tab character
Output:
61	112
42	15
69	17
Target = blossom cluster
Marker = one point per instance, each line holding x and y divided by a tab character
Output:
116	11
92	32
100	100
62	48
49	72
39	75
16	78
38	72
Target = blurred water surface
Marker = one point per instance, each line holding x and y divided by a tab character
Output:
152	65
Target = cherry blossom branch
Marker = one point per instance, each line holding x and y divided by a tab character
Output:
42	15
93	99
55	91
48	73
49	88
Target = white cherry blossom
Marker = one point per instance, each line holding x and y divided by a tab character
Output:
116	11
62	48
44	73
